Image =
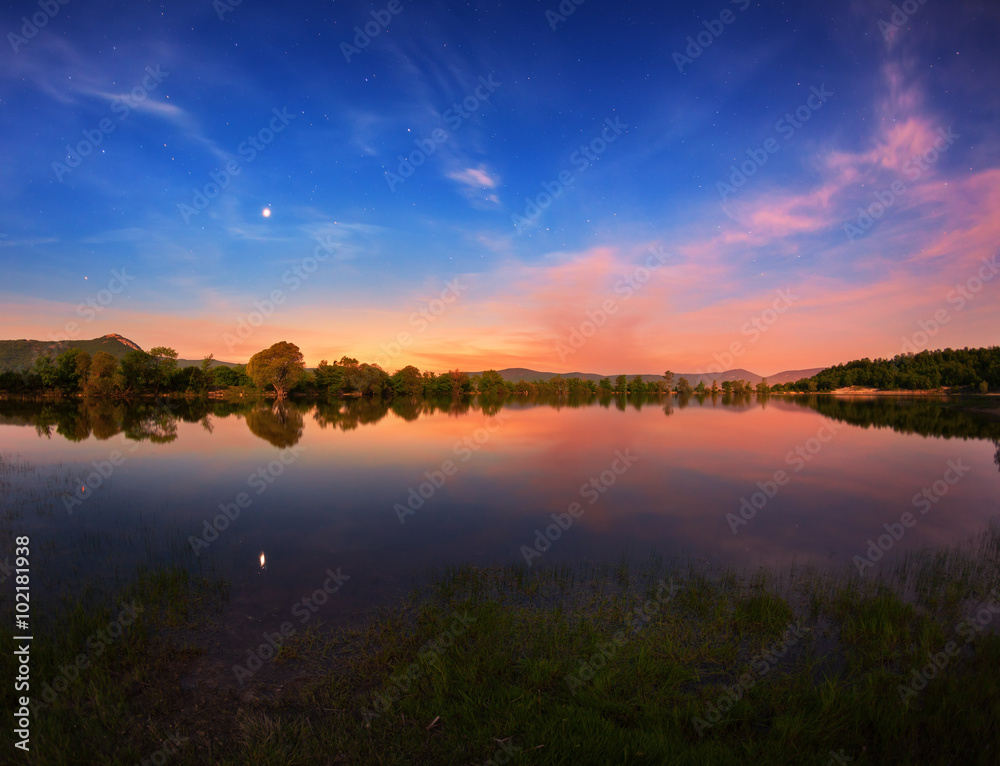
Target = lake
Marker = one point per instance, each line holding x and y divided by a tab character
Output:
281	499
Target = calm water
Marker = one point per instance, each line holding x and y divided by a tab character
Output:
353	486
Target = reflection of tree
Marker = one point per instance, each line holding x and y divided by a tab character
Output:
280	424
926	417
155	423
408	409
996	457
351	413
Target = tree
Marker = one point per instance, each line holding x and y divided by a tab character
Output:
279	366
71	368
492	383
605	385
101	376
164	365
329	378
637	386
621	384
371	380
136	371
668	376
46	371
684	388
763	388
406	382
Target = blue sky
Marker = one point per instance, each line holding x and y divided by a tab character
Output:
165	96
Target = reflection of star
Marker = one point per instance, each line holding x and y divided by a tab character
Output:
266	212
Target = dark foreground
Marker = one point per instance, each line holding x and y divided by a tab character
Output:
649	663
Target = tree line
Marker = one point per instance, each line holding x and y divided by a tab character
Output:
973	369
280	370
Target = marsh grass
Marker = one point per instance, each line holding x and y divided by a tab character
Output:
513	685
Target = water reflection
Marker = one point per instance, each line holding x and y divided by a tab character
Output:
333	503
280	424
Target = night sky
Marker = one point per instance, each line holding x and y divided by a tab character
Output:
605	187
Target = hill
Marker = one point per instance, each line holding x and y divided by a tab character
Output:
17	354
514	374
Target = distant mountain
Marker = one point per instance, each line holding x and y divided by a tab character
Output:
16	354
514	374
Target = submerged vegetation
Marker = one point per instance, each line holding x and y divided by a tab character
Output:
650	662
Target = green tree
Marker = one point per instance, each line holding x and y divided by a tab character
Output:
621	384
408	382
101	376
329	379
637	386
137	371
763	388
46	371
605	385
279	366
71	368
164	364
492	383
371	380
684	388
668	378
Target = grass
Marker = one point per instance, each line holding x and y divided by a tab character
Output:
618	662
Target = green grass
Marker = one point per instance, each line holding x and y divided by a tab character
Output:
599	664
